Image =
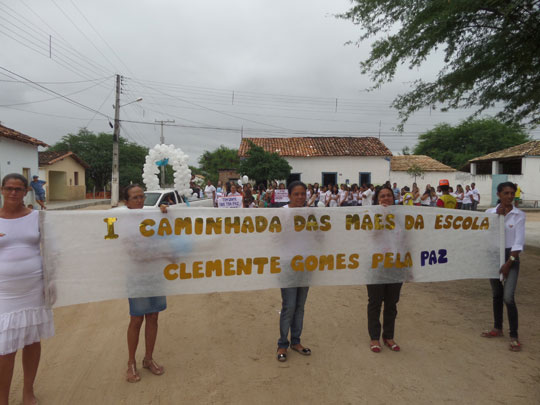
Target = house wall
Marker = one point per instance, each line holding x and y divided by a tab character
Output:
62	187
432	178
14	157
346	167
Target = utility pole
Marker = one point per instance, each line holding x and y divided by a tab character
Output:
162	141
116	137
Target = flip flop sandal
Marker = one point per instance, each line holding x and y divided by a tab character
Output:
281	357
375	348
132	375
515	346
154	368
492	333
394	347
304	351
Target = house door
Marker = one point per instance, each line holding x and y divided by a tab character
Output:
329	178
496	179
293	177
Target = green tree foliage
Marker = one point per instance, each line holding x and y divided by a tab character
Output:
261	166
455	145
96	150
415	171
221	158
491	52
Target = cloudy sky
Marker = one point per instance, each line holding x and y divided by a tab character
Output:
218	69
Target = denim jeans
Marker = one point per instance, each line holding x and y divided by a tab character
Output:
504	293
467	206
377	293
292	315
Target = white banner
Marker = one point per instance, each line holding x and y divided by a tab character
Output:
230	202
99	255
281	196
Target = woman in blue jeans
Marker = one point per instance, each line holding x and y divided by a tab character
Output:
294	298
503	288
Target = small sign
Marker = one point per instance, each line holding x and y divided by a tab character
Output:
230	202
281	196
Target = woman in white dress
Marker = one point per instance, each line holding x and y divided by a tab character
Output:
24	317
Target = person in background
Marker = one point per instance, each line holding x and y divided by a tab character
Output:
379	293
416	195
425	199
343	196
446	200
367	196
397	192
460	193
39	191
25	318
503	288
407	196
248	201
519	191
334	197
142	309
467	199
294	298
434	197
354	195
234	191
210	191
322	196
475	197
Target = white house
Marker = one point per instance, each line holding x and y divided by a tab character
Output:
19	154
519	164
329	160
431	171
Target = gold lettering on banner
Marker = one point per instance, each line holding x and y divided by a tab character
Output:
143	227
460	222
391	260
182	224
110	228
167	272
164	227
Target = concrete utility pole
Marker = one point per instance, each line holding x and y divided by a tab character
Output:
116	137
162	141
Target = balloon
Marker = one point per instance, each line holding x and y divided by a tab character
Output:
245	179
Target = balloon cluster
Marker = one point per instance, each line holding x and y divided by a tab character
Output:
179	162
243	180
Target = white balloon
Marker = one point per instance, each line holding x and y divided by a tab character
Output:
245	179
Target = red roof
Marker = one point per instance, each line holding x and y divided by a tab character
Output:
49	158
17	136
318	146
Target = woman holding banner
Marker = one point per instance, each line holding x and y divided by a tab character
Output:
140	309
24	317
503	288
293	298
377	293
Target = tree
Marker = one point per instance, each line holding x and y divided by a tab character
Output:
406	151
455	145
491	52
415	171
96	150
261	166
221	158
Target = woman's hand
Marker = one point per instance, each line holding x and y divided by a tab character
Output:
505	269
163	208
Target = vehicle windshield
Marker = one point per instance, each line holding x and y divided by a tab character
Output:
151	199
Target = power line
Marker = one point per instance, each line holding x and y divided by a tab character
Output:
45	89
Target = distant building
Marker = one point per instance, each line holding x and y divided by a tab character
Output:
432	171
519	164
225	175
19	154
65	174
329	160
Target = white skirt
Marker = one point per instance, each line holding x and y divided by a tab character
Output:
24	327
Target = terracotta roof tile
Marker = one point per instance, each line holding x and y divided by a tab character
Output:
50	157
318	146
531	148
17	136
427	164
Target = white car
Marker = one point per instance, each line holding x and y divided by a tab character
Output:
169	196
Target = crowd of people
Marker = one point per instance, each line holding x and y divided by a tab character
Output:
344	195
26	319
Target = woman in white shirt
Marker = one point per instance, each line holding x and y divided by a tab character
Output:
467	199
503	288
460	193
425	199
293	299
334	197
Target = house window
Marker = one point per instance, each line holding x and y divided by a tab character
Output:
512	166
364	178
76	178
26	173
329	178
293	177
483	167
